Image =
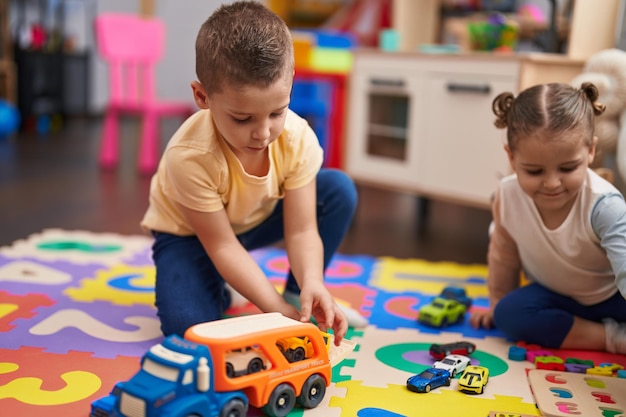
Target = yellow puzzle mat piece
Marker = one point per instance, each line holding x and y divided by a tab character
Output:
440	403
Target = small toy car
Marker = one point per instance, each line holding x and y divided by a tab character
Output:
245	361
428	379
458	294
474	380
455	364
441	312
439	351
295	349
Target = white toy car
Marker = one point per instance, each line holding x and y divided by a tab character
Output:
455	364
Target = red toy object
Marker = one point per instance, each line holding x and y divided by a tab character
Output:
528	346
553	366
37	37
439	351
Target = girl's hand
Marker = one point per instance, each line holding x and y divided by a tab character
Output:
482	318
317	302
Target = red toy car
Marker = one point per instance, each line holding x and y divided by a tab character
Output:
438	351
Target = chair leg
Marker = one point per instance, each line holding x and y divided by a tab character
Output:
109	146
149	147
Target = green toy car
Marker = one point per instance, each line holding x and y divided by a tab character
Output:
442	312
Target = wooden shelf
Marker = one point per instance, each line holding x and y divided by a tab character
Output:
8	81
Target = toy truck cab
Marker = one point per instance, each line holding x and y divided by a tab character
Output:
175	379
281	383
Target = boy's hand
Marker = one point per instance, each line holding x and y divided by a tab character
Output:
482	318
317	302
290	311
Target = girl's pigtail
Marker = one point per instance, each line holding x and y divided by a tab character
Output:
501	106
592	93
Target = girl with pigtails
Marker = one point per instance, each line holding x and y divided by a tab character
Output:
558	222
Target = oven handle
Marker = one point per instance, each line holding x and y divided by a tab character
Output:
386	82
469	88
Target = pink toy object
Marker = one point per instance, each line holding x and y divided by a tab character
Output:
131	46
532	11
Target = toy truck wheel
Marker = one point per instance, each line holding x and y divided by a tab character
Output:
230	370
255	365
313	392
297	355
234	408
281	401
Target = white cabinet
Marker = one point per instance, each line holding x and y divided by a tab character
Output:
425	124
462	155
381	110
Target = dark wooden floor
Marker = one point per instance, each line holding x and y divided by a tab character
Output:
53	181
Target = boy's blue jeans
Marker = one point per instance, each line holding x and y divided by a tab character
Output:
189	290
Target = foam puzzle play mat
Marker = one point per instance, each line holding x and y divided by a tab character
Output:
77	314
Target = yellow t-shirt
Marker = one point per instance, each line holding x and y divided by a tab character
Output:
199	171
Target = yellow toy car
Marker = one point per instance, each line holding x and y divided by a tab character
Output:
295	348
474	380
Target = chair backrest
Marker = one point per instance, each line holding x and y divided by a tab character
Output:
131	45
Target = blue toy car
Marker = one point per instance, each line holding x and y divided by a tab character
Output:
458	294
428	379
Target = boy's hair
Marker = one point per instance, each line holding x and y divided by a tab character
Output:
243	43
551	108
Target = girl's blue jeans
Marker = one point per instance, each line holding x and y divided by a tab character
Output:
537	315
189	290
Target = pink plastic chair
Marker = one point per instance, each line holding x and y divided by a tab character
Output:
132	45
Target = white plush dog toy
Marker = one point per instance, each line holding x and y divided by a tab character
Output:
607	70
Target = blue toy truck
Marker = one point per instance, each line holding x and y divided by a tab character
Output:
175	379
